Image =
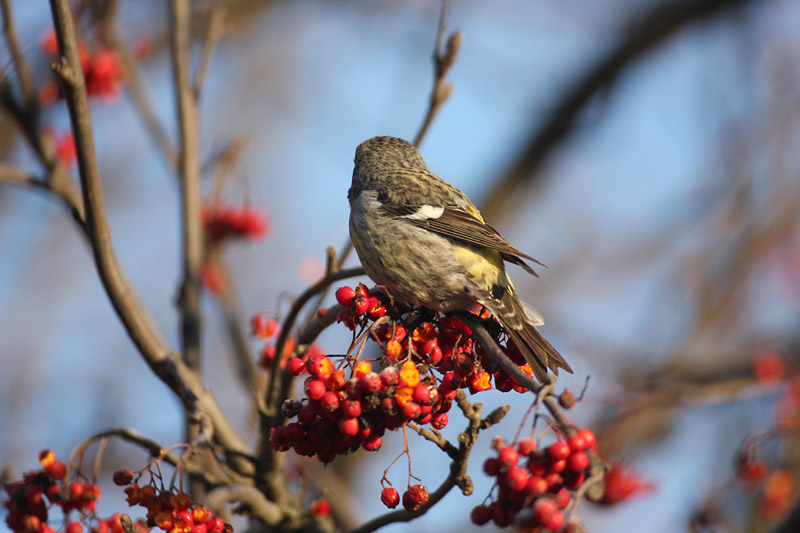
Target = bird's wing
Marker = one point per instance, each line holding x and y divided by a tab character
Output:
457	223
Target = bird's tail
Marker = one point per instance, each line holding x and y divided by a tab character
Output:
539	353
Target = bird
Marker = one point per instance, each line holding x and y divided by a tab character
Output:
426	244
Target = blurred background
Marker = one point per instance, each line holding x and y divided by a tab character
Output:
645	151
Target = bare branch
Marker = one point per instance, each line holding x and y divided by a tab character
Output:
189	171
23	69
216	27
443	59
257	505
458	467
168	366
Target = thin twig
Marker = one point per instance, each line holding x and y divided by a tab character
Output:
216	26
436	438
23	69
272	401
257	505
458	468
596	466
443	59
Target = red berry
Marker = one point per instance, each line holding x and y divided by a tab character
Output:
517	478
554	522
351	408
390	376
371	382
74	527
536	485
543	509
362	291
360	306
320	508
296	366
415	497
557	466
390	497
411	410
216	525
578	461
526	447
588	438
508	457
558	450
439	421
491	466
425	394
329	401
501	515
480	515
373	443
56	470
348	426
554	480
344	295
76	490
451	381
577	442
314	388
562	498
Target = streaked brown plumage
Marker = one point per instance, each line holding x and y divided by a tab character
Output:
426	243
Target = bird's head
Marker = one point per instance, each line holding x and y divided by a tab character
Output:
379	158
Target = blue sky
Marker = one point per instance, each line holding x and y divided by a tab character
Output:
305	82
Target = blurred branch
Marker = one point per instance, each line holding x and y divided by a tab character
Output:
443	59
657	24
257	506
22	67
190	291
167	366
189	171
216	27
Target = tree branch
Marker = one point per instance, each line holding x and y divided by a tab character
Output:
23	69
443	59
167	366
189	171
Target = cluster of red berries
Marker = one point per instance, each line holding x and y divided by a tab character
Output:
444	344
31	498
534	494
169	510
342	413
226	221
102	69
415	497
